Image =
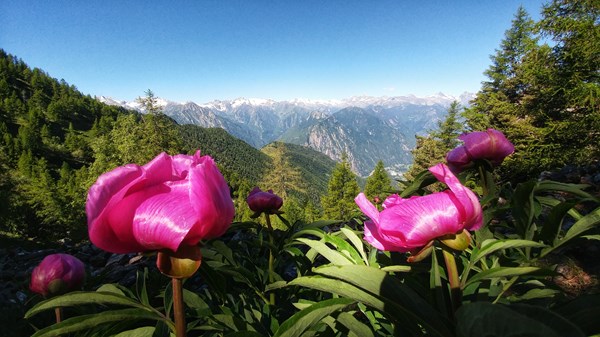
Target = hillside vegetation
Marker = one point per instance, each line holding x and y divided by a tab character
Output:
55	142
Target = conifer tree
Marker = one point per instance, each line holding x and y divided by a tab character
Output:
342	188
432	149
283	177
378	183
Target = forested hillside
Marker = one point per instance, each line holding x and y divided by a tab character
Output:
55	142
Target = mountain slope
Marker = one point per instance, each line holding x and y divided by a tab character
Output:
359	133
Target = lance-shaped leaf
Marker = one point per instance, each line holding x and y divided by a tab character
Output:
503	272
85	297
296	325
491	246
380	290
86	322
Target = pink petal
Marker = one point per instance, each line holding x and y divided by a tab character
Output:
367	207
420	220
164	215
467	202
490	144
501	146
393	200
458	159
109	190
211	199
372	236
182	164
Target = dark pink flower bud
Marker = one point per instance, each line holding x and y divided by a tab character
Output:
491	145
57	274
261	201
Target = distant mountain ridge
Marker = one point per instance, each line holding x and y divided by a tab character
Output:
366	128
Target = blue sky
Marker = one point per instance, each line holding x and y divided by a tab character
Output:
204	50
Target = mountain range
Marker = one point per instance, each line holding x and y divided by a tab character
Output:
365	128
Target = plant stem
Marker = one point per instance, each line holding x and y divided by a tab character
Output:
271	257
58	312
482	178
180	327
452	271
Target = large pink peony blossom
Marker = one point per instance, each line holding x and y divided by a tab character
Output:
491	145
407	224
57	274
263	201
170	201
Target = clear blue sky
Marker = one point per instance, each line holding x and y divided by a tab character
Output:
204	50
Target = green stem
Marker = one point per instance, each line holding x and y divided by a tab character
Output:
180	327
271	257
484	185
452	271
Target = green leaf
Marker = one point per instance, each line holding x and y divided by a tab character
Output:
534	293
307	232
349	291
390	295
491	246
303	320
140	286
321	224
523	207
553	223
86	322
397	268
553	186
501	272
584	224
344	248
192	300
110	288
486	319
355	326
147	331
232	322
357	242
333	256
222	248
84	297
424	178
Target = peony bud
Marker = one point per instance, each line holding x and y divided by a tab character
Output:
490	145
264	201
57	274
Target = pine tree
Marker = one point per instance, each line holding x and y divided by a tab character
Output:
378	183
149	103
342	188
432	149
283	178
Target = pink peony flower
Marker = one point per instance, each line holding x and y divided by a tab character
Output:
57	274
263	201
170	201
491	145
407	224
